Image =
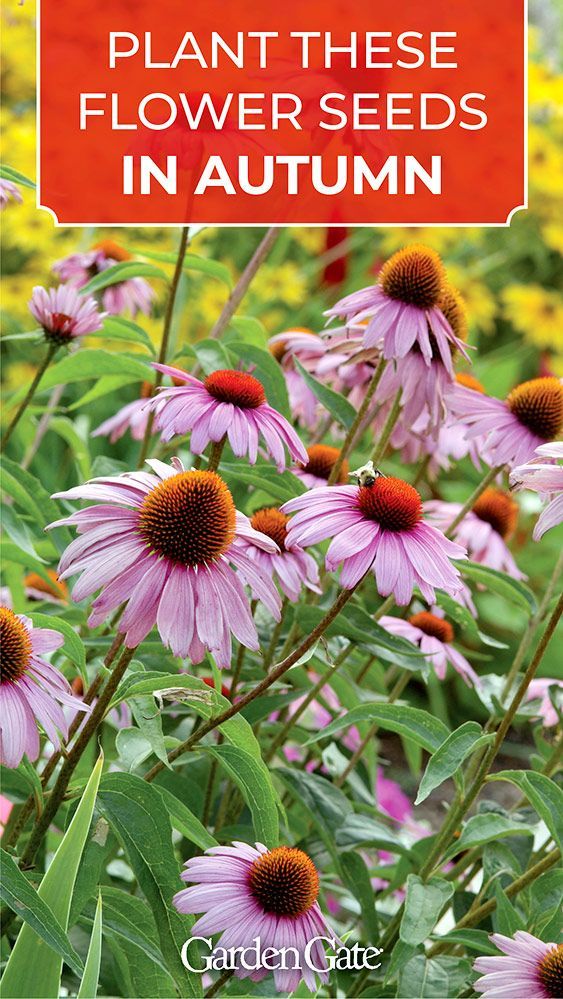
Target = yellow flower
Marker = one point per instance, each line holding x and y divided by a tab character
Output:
440	239
536	312
283	283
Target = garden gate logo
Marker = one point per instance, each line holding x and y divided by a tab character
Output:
256	957
333	114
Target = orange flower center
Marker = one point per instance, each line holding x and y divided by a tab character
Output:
147	389
499	510
15	646
433	625
237	387
272	522
59	329
392	503
453	308
111	249
284	882
414	275
550	972
538	405
189	518
279	349
322	459
78	686
469	381
56	588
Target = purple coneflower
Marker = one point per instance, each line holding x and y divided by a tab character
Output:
133	417
377	526
165	542
321	459
484	530
531	415
230	403
404	309
247	892
546	479
528	967
293	567
133	295
29	688
9	192
434	636
64	314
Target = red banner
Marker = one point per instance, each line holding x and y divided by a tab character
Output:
316	113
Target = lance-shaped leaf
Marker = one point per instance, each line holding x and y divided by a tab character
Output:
334	403
413	723
450	755
34	968
255	783
423	905
89	984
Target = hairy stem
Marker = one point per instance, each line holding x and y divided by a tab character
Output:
358	420
244	281
469	503
388	428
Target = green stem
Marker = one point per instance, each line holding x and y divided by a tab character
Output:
358	420
388	428
372	731
216	452
243	283
73	757
470	503
271	650
166	330
275	674
52	348
533	623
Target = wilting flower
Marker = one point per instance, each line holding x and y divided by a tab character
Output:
546	479
133	295
230	403
405	308
377	526
434	636
484	530
29	688
64	314
539	690
293	567
165	542
321	459
8	192
529	967
247	892
133	417
531	415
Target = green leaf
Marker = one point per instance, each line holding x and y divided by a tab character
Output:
450	755
89	984
149	720
28	493
203	699
255	783
192	262
357	880
267	371
134	810
499	582
185	821
363	830
88	365
8	173
17	529
423	904
121	272
356	624
433	979
280	486
413	723
506	919
17	892
335	404
249	329
543	794
72	646
484	827
212	356
325	804
118	328
477	940
66	429
105	385
33	968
